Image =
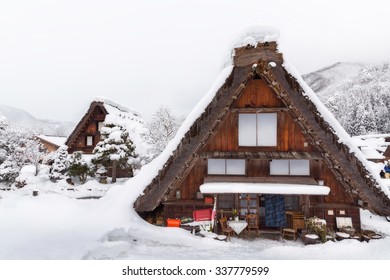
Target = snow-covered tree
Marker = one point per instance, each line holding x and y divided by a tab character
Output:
361	104
161	129
78	167
115	148
9	170
17	148
59	167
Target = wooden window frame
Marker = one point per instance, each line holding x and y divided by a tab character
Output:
226	167
86	140
289	168
98	126
257	115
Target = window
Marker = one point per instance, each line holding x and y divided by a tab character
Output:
89	140
226	166
99	126
257	129
297	167
225	201
291	203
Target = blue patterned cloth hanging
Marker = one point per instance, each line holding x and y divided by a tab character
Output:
275	210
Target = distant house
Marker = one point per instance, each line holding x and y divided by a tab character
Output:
51	143
387	151
86	134
374	147
261	142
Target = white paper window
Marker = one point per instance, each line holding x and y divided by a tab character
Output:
247	130
266	129
235	166
226	167
216	166
100	125
279	167
89	140
300	167
257	129
294	167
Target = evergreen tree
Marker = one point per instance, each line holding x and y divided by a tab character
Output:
115	148
59	167
78	167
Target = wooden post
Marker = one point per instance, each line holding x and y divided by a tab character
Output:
113	171
307	206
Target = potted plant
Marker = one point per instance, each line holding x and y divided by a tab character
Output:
316	231
235	214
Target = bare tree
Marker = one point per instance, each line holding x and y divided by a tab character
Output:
161	129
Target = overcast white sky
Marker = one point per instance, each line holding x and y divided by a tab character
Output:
55	56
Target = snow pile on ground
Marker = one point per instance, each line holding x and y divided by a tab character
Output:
53	226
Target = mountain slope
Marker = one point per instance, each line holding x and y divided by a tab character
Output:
21	119
357	94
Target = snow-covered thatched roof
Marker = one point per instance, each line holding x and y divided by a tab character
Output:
258	55
115	113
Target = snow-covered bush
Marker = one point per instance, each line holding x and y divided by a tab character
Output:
317	226
78	167
59	167
115	148
27	172
9	170
17	149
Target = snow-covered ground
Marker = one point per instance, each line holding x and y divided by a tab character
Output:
57	225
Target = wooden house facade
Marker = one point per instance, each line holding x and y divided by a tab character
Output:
86	134
51	143
261	146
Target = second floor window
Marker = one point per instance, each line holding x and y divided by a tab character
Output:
292	167
89	140
226	166
257	130
99	126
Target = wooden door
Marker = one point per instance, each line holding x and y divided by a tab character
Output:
249	204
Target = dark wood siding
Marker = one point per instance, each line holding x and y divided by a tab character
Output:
290	137
90	129
190	185
258	94
329	212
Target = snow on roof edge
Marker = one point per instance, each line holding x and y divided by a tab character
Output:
250	35
136	185
148	172
116	105
253	34
344	137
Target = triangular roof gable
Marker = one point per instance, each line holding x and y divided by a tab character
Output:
118	114
84	122
265	61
